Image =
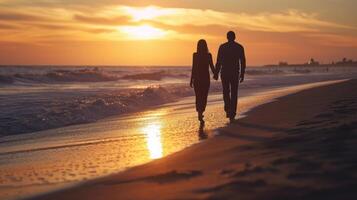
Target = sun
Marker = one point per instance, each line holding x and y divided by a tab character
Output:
146	13
142	32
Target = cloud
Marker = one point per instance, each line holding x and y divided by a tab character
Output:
210	30
333	40
51	26
176	18
6	26
19	17
110	22
289	21
120	20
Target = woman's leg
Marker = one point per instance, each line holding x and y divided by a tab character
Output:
198	97
205	96
200	100
201	90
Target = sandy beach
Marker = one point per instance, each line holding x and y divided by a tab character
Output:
178	100
50	160
302	146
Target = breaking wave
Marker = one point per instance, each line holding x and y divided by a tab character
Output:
85	75
60	76
157	76
59	112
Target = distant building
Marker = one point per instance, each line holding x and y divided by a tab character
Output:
346	62
312	62
281	64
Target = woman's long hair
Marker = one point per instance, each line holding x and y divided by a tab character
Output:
202	47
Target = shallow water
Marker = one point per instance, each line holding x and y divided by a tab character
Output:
42	161
39	98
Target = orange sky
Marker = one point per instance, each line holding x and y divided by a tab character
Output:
123	32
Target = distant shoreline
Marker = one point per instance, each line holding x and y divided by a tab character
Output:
354	64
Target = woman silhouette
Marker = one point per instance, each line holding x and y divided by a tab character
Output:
200	76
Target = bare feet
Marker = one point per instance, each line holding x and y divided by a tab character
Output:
231	119
200	117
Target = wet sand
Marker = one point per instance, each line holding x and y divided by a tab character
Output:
302	146
40	162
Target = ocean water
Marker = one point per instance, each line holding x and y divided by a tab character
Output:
63	125
35	98
39	98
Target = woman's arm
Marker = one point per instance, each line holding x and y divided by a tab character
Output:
211	64
193	70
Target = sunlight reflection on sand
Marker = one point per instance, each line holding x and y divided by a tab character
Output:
152	131
153	137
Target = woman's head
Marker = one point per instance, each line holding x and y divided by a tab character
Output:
202	46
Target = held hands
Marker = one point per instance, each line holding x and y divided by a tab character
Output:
215	76
241	78
215	72
191	83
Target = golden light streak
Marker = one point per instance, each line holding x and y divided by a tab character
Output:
153	139
142	32
146	13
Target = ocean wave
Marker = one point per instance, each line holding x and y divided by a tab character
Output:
6	79
96	74
58	112
85	75
60	76
264	72
156	76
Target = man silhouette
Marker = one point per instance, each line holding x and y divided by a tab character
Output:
231	64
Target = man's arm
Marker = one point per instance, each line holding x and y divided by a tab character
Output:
242	65
218	63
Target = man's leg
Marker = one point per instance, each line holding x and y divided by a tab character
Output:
234	96
226	95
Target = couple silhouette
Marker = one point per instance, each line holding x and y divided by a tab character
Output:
230	64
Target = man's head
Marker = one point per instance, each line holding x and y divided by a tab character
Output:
231	36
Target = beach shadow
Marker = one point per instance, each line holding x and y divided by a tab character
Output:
236	186
238	125
317	158
259	126
248	171
169	177
241	136
174	176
